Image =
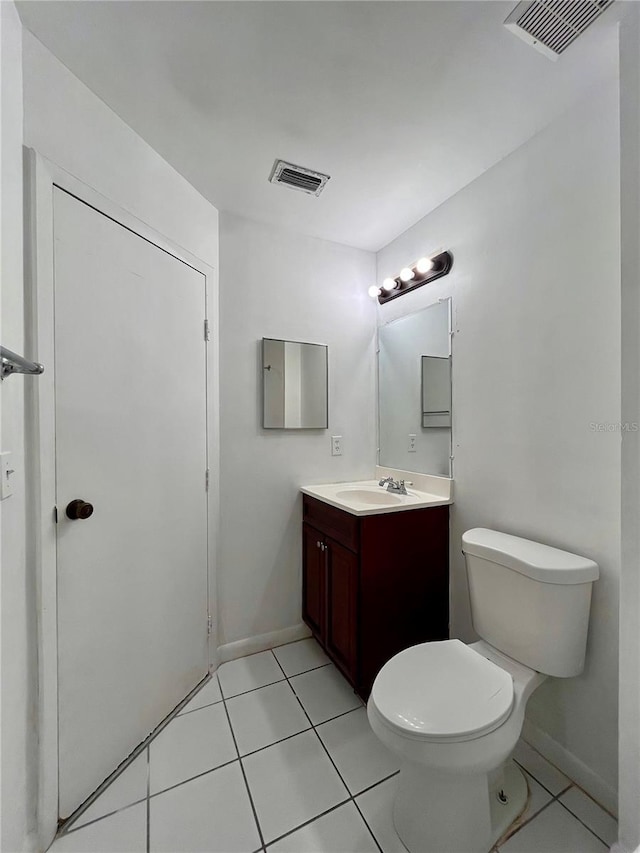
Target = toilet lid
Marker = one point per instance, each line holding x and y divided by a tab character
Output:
443	691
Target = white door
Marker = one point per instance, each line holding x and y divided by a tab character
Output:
130	404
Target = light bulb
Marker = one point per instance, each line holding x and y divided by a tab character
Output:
406	274
389	284
374	291
424	265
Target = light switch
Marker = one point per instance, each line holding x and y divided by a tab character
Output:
6	473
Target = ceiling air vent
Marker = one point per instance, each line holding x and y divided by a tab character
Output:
552	25
298	178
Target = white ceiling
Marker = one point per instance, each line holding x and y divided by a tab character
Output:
402	103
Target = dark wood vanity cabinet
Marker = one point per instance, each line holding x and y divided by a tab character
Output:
374	585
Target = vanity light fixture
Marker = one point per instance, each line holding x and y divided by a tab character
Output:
422	272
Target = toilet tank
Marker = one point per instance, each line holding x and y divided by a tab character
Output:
530	601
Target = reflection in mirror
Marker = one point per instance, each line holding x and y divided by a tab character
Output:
414	391
436	391
294	385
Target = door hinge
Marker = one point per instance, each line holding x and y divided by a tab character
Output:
209	624
207	331
207	477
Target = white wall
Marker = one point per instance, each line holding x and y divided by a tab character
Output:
19	757
629	748
536	361
65	122
274	283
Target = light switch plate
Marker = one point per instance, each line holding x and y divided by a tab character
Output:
6	473
411	447
336	445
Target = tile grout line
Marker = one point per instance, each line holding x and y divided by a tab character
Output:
244	776
555	798
153	796
70	822
526	823
313	727
586	826
261	686
102	816
72	826
220	766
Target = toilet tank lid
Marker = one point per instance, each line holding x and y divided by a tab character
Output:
539	562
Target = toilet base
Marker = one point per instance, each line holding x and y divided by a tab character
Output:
437	813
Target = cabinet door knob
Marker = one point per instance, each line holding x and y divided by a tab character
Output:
79	509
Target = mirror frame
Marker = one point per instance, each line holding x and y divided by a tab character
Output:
263	367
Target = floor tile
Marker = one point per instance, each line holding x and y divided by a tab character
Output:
129	787
538	767
324	694
361	759
238	676
538	799
291	783
264	716
190	744
212	813
207	695
299	657
596	818
123	832
340	831
376	805
554	830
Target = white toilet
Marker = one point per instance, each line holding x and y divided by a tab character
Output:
454	712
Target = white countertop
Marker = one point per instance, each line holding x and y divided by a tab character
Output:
366	497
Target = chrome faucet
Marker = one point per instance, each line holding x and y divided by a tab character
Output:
395	485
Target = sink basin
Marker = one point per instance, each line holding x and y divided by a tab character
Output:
366	496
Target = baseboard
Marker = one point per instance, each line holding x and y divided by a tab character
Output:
571	766
262	642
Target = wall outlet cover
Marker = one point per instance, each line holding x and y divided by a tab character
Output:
336	445
411	447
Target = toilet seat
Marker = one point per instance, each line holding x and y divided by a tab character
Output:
442	691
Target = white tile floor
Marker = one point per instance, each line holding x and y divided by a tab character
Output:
275	754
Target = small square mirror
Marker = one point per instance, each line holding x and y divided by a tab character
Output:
295	385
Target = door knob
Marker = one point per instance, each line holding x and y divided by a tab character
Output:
79	509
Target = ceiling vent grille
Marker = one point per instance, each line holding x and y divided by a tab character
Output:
298	178
552	25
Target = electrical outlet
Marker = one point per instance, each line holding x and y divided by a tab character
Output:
336	445
411	447
6	474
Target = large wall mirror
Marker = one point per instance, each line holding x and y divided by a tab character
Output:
295	382
414	391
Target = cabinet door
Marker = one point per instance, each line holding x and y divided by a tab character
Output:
313	580
342	592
